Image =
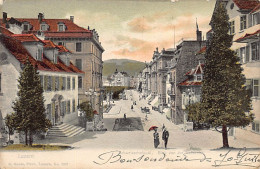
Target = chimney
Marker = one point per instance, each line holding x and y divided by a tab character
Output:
4	17
72	18
40	17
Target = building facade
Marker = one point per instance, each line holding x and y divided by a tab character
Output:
84	45
58	75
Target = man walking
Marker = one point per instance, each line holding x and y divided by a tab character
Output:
165	137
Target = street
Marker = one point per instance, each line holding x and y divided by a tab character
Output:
178	139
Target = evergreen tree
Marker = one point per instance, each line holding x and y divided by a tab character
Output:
29	107
225	98
10	124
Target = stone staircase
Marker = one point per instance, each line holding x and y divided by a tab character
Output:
65	130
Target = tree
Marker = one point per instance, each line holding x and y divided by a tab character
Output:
87	109
10	124
29	107
225	98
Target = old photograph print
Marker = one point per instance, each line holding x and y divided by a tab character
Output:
127	84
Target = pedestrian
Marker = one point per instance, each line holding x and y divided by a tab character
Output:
132	107
156	138
124	116
165	137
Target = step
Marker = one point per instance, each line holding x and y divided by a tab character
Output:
77	133
73	131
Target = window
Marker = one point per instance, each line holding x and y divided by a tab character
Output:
255	51
80	82
57	84
73	105
199	77
232	27
39	54
61	43
55	59
256	18
26	27
79	64
68	106
78	47
63	83
43	27
63	108
73	83
68	83
49	83
243	22
61	27
243	55
253	84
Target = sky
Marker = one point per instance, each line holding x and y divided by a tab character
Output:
130	29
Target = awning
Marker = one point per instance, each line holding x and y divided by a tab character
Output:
248	37
148	98
167	112
154	101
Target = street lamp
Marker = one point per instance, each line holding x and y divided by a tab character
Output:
91	93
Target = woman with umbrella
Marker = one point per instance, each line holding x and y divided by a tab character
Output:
155	136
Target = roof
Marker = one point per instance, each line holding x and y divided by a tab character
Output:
248	36
256	8
202	50
5	31
49	44
190	83
246	4
71	29
62	49
21	54
27	38
197	70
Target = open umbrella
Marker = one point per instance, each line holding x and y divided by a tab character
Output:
152	128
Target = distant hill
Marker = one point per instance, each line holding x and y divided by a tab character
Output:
126	65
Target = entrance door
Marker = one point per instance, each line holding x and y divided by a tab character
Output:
56	115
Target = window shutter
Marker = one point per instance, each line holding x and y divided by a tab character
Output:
45	83
247	53
249	20
53	109
60	83
53	83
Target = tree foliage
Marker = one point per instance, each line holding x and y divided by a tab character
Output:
225	98
87	109
10	124
29	107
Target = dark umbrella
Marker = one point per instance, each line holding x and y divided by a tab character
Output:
152	128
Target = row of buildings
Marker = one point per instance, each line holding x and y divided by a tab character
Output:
173	78
68	58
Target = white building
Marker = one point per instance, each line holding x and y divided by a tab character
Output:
58	75
119	79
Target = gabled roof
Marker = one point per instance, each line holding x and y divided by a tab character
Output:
27	38
197	70
246	4
16	48
256	8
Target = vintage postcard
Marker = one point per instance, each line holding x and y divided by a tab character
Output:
129	84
